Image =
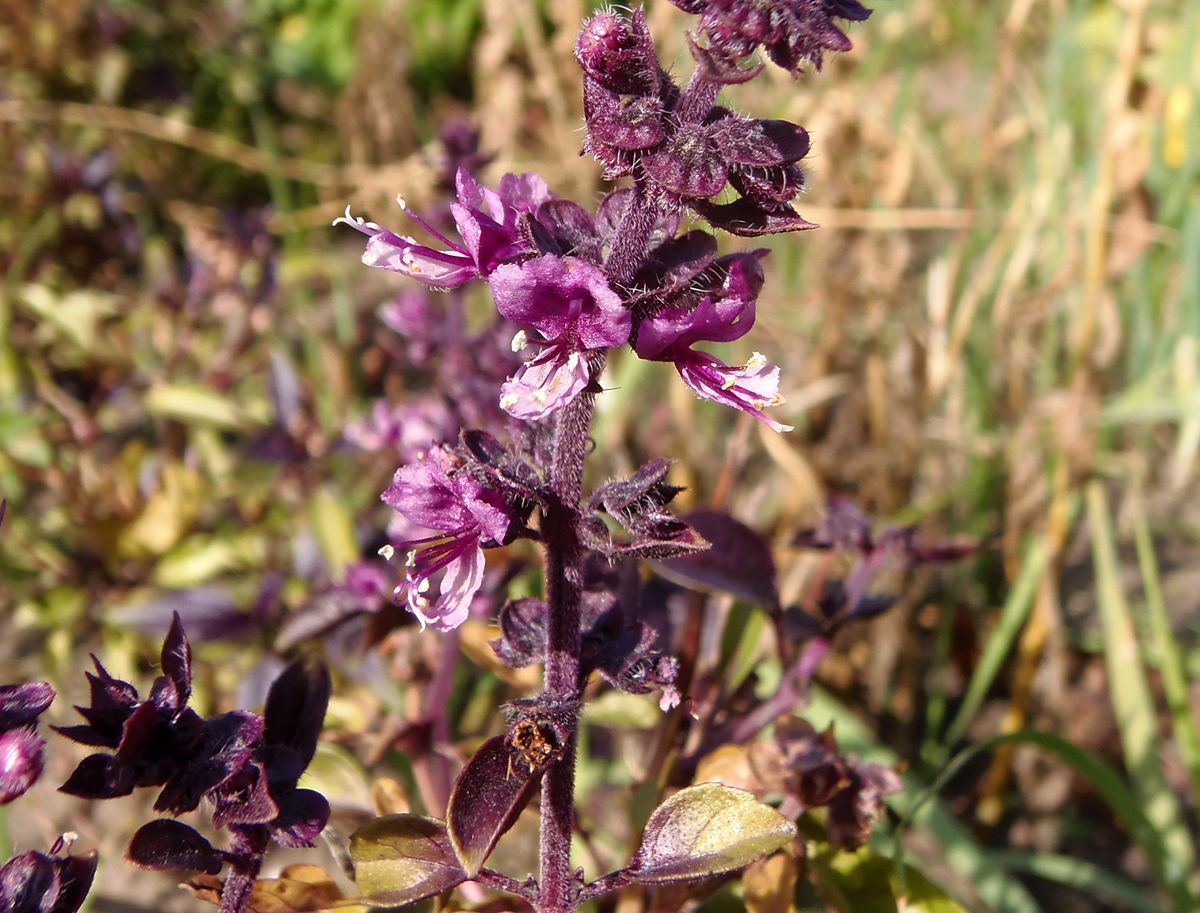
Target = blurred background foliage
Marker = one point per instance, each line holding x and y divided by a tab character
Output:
996	333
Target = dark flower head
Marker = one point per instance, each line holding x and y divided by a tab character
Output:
818	775
159	741
39	883
569	304
263	792
21	748
435	493
687	151
791	31
487	226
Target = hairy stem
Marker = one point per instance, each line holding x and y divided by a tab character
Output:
564	587
564	555
249	845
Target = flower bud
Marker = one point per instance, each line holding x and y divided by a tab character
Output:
21	760
616	52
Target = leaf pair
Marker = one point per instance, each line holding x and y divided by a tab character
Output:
700	831
400	859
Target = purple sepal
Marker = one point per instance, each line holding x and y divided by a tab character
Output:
36	883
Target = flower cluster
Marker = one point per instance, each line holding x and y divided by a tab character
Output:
21	748
790	31
552	281
678	141
246	765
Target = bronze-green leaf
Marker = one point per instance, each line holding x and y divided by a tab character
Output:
707	829
400	859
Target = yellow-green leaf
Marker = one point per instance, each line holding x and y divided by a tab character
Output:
707	829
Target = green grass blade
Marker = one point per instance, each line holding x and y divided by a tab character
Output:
1000	642
1137	718
1102	777
1078	873
1174	678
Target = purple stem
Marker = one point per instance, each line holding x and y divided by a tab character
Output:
498	881
563	558
564	586
249	847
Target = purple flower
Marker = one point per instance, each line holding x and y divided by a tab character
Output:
724	314
569	303
21	748
435	493
791	31
404	429
487	225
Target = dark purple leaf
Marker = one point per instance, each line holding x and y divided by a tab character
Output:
522	640
740	560
296	707
400	859
492	789
227	744
245	798
571	228
302	817
29	883
689	165
99	776
760	143
671	271
177	661
166	844
630	123
75	875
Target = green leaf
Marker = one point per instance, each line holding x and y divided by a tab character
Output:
707	829
400	859
334	529
194	404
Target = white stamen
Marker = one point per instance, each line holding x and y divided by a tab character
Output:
411	560
507	401
519	341
387	552
401	202
757	362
